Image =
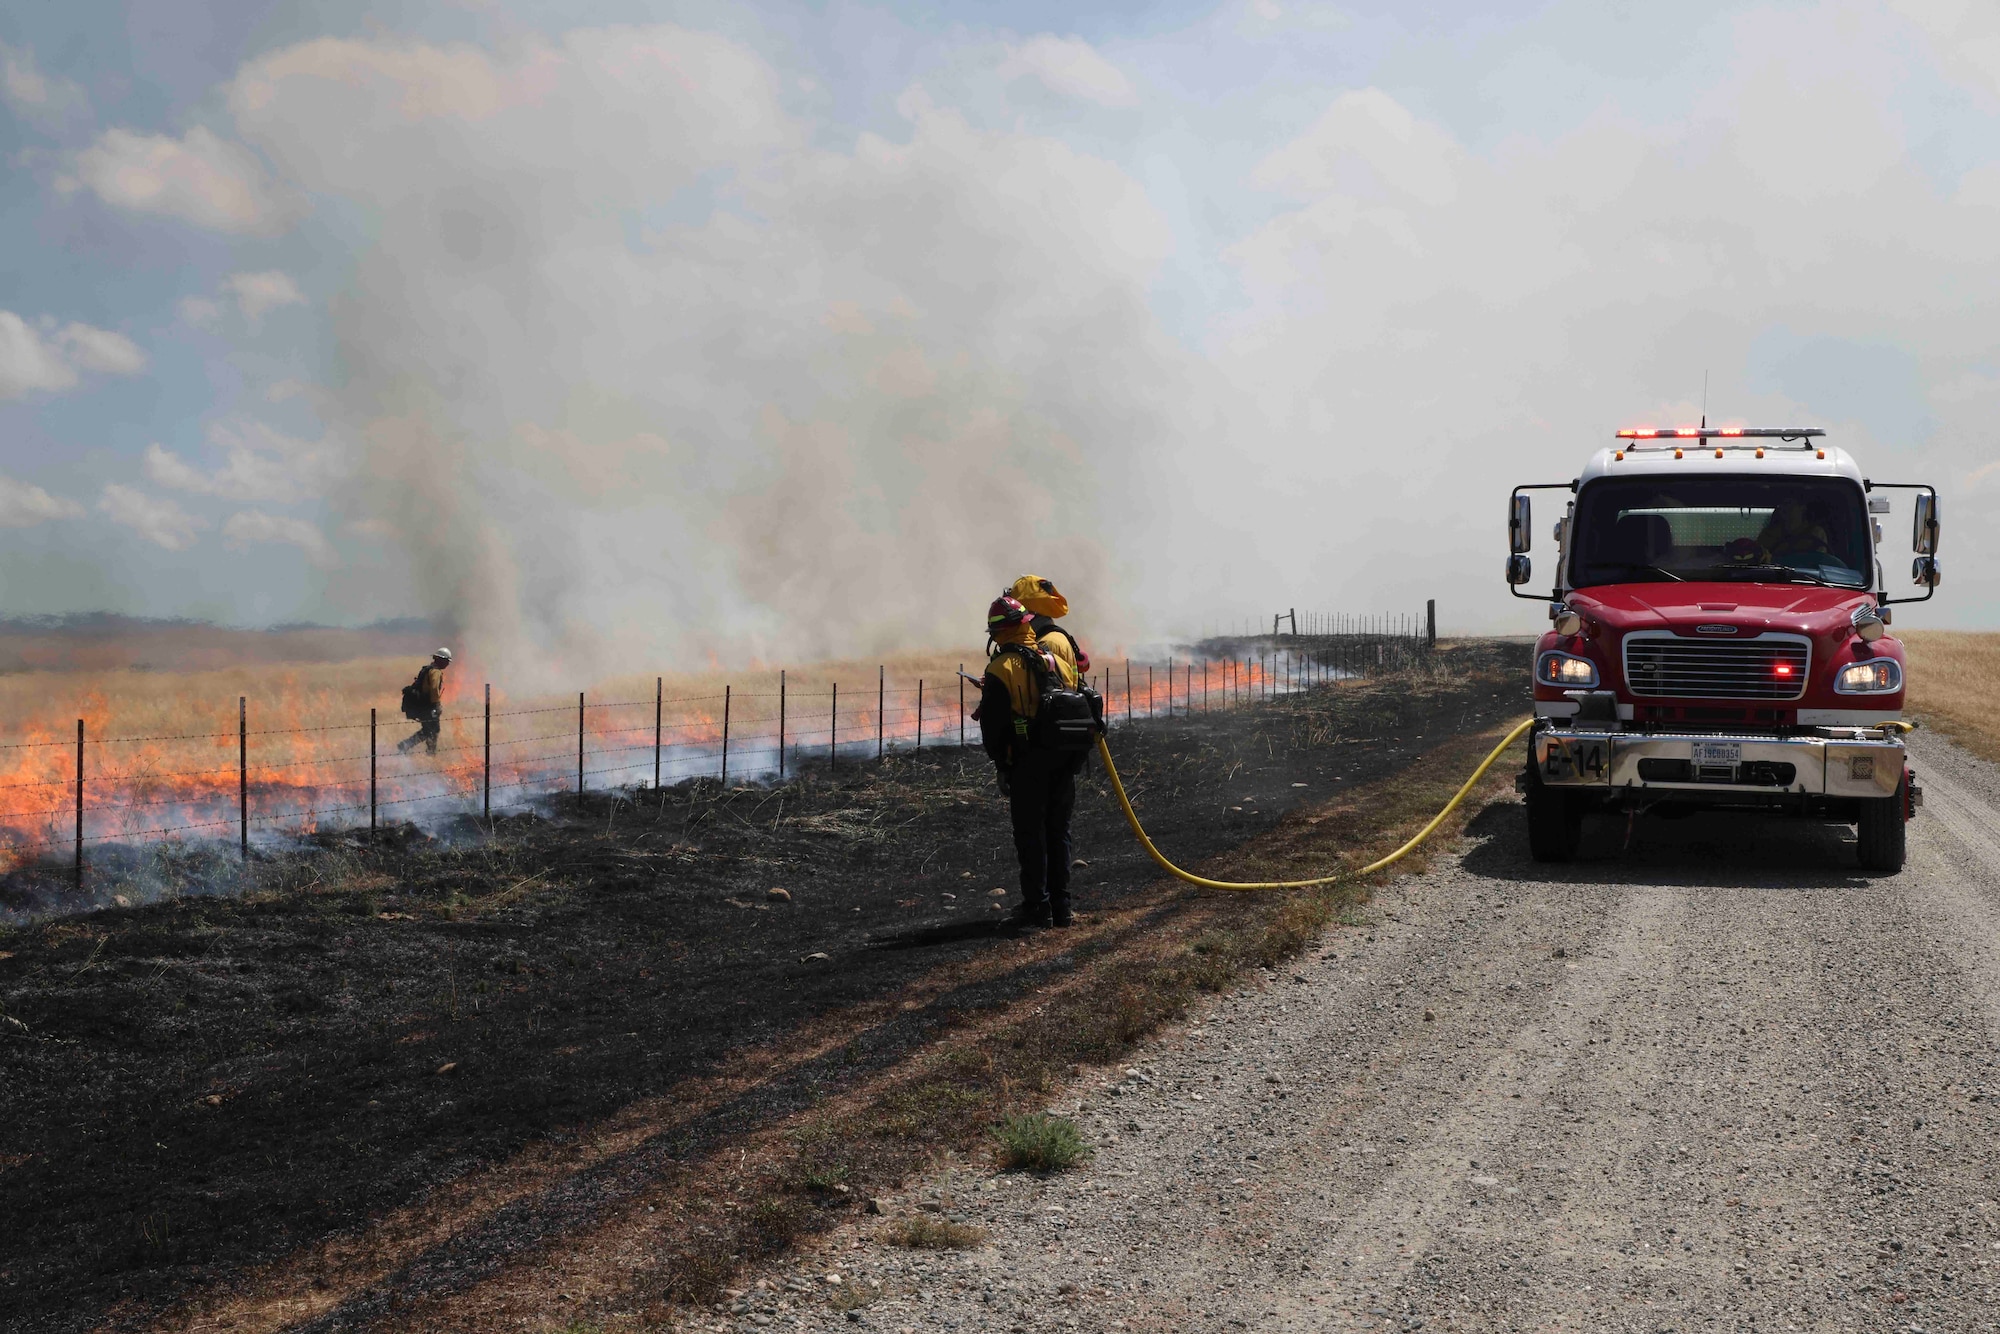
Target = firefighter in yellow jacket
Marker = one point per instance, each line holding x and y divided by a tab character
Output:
1039	783
423	702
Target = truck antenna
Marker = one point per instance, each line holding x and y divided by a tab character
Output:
1704	400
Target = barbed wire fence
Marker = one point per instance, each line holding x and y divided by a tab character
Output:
539	752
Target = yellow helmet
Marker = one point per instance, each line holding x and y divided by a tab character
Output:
1039	596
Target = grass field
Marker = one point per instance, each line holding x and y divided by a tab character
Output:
162	748
1951	686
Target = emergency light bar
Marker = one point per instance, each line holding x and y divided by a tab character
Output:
1720	433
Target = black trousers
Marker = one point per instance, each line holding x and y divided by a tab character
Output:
1044	799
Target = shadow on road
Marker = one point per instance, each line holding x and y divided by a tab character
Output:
1713	849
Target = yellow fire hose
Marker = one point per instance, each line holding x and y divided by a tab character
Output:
1139	832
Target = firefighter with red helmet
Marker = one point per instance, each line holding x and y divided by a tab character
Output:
1037	776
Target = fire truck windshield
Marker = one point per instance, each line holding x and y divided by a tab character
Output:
1781	529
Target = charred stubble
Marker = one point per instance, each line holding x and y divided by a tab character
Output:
213	1084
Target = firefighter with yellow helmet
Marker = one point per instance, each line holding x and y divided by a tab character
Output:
1037	722
1045	605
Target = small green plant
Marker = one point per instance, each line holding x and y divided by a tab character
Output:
922	1232
1038	1142
822	1176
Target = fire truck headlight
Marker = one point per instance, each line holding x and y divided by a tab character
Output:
1877	676
1566	670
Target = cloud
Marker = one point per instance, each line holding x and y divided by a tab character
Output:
159	521
23	505
197	178
1071	67
34	95
257	294
48	360
250	527
29	363
101	350
200	311
259	464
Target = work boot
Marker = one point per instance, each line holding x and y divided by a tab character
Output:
1060	915
1031	917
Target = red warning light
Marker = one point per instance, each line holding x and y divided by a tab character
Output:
1783	669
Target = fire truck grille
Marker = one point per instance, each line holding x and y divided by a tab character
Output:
1667	666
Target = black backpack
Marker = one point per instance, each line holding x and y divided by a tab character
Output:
1067	718
414	706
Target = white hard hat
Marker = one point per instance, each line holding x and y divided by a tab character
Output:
444	653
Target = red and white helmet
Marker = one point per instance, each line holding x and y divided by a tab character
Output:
1005	611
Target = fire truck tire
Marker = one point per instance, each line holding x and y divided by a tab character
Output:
1882	832
1555	822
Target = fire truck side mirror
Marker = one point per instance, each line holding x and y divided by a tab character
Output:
1924	572
1924	538
1519	568
1519	535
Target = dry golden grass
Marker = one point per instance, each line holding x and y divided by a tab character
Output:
1951	686
162	752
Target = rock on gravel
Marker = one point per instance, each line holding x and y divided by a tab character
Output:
1720	1081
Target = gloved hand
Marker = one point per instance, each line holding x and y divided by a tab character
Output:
1004	783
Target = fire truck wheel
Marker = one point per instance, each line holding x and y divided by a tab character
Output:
1555	822
1883	831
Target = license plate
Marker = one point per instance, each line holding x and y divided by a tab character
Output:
1718	752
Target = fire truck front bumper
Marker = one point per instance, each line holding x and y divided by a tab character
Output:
1833	762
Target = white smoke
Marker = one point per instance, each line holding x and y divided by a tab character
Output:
641	368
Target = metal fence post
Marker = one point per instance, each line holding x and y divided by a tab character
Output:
486	761
881	705
833	731
371	771
1128	690
920	713
243	772
961	706
659	719
1430	622
781	723
726	691
579	741
79	805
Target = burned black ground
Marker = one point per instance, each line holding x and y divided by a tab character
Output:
207	1083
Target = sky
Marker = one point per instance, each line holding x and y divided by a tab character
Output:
632	333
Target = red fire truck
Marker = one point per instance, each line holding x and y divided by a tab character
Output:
1719	638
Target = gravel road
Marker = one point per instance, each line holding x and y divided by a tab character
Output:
1719	1080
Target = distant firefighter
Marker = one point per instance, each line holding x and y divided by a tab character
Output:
1045	604
1037	722
423	700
